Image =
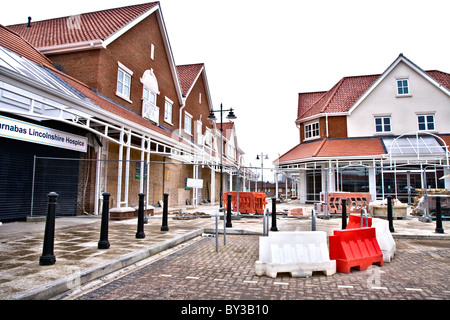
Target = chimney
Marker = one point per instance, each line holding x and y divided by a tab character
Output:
29	22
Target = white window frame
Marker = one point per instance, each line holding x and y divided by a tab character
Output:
397	87
198	132
168	111
383	124
312	130
150	94
126	73
426	122
188	120
230	151
208	137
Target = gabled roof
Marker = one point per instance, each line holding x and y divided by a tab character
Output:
188	75
92	26
94	30
349	92
228	128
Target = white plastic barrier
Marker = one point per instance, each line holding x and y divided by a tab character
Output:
384	238
299	253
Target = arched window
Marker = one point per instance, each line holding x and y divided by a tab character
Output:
149	94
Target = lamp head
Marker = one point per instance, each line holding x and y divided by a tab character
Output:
211	116
231	115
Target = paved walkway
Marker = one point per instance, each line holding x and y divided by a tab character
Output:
78	260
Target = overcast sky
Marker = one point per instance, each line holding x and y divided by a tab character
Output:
260	54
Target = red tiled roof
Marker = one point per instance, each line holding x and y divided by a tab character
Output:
187	75
94	26
342	147
446	140
345	93
14	42
227	127
306	100
441	77
352	147
340	98
303	150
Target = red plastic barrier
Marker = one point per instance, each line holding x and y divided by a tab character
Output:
354	221
233	200
249	202
355	201
260	202
357	248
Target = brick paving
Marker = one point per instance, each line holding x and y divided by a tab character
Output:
420	270
79	261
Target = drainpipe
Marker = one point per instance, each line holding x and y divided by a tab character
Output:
179	120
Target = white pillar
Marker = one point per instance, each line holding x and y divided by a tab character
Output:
97	180
372	183
302	186
119	170
213	185
447	180
127	168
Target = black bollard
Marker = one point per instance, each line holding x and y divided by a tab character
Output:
104	243
344	213
274	215
164	226
390	215
439	228
140	234
229	225
48	258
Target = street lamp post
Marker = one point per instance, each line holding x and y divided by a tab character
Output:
212	117
262	167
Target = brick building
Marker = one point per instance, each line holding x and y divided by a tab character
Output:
385	134
144	118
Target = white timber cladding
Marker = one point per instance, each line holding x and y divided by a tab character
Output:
423	98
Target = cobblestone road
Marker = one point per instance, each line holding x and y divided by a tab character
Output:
420	270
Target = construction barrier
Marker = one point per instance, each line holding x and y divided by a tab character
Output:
299	253
385	239
356	201
260	202
301	213
383	235
357	248
249	202
354	221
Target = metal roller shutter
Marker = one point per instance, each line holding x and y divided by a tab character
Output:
16	179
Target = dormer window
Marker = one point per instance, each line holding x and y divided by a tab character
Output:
403	87
312	130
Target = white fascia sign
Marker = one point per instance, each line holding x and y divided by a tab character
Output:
20	130
194	183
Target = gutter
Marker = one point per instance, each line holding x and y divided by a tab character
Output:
72	47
